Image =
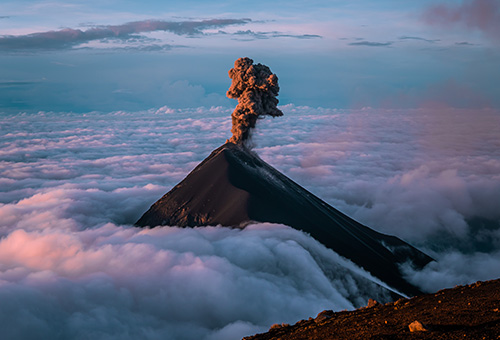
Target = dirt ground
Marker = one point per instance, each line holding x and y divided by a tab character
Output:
463	312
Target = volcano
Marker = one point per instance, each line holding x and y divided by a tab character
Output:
234	187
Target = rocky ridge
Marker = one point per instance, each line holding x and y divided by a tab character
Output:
463	312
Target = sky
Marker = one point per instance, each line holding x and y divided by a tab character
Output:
107	55
391	115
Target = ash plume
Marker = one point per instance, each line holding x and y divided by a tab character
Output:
256	88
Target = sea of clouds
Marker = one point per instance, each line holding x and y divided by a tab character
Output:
71	186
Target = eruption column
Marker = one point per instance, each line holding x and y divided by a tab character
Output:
256	88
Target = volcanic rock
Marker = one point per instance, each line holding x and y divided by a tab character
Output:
417	326
463	312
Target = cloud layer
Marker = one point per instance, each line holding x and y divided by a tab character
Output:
72	266
69	37
134	34
125	283
429	176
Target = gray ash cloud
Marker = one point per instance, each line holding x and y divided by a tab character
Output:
256	89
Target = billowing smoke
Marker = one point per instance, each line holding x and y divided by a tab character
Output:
256	88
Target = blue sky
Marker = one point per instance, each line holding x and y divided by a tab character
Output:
124	55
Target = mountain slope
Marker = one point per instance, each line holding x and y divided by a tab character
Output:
233	186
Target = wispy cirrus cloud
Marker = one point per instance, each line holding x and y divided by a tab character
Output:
251	35
12	83
68	38
419	38
371	43
482	15
464	43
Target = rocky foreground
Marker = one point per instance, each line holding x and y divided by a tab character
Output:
463	312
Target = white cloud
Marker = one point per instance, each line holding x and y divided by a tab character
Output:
116	282
72	185
404	172
455	268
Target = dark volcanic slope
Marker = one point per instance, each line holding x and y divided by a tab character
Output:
233	186
470	312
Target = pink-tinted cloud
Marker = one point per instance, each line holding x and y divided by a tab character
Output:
483	15
191	281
